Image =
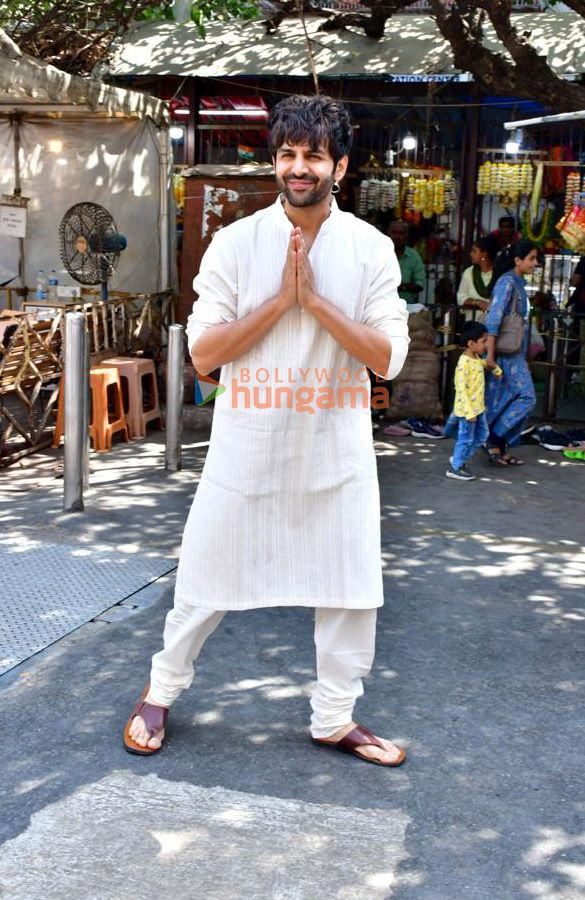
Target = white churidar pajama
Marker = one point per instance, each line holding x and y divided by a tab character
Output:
287	511
345	644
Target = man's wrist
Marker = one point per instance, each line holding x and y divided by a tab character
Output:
315	303
279	303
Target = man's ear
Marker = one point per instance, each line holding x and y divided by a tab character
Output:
341	168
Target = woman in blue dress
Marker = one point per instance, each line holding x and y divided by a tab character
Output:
511	398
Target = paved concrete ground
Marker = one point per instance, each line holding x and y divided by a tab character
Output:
480	672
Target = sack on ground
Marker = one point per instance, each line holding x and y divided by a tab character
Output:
420	365
421	332
414	398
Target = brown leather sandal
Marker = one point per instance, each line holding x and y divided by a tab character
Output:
359	737
155	719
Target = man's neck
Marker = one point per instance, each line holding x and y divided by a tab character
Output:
400	251
308	218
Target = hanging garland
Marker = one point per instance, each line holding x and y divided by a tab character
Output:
506	180
546	231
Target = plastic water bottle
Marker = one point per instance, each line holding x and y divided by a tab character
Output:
41	287
53	285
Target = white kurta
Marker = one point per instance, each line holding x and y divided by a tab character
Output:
287	512
468	291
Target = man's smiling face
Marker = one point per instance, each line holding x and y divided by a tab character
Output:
305	176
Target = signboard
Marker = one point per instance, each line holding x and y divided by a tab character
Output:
424	79
13	215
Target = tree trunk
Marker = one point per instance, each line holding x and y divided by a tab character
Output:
529	76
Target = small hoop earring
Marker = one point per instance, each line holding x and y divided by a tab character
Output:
335	185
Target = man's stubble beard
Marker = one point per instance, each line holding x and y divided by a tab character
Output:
320	191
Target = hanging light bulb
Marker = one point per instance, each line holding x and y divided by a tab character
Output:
515	142
176	133
408	142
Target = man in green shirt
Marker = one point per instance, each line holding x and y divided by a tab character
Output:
411	265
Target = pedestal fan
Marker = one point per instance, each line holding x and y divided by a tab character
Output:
90	244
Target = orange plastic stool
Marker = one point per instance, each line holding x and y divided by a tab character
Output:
59	427
100	379
133	372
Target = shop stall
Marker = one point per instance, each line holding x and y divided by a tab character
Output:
429	145
552	214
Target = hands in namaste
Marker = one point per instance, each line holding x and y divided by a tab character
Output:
298	282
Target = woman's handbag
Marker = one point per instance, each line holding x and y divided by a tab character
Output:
511	333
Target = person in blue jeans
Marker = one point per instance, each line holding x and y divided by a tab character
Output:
468	415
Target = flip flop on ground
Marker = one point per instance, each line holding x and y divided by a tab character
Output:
155	720
361	737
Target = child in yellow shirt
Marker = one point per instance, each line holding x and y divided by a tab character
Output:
469	408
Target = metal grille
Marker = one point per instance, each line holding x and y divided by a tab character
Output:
48	590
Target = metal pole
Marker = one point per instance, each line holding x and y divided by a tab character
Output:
540	120
75	404
16	119
550	404
469	207
447	337
165	185
86	410
175	366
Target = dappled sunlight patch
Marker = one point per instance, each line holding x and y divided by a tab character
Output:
287	693
234	816
258	739
172	843
211	717
550	606
25	787
488	834
571	687
319	780
517	565
52	614
380	880
315	841
561	877
276	687
272	652
250	684
396	573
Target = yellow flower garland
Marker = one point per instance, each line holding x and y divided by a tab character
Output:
545	227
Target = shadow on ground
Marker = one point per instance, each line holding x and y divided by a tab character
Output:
479	672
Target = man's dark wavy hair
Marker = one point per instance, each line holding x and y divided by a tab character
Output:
317	120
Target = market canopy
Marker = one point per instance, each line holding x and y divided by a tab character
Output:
31	84
412	46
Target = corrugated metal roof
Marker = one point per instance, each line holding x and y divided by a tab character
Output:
412	45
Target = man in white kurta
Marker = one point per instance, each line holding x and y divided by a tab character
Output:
287	512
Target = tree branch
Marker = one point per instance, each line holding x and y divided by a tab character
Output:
530	76
373	24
